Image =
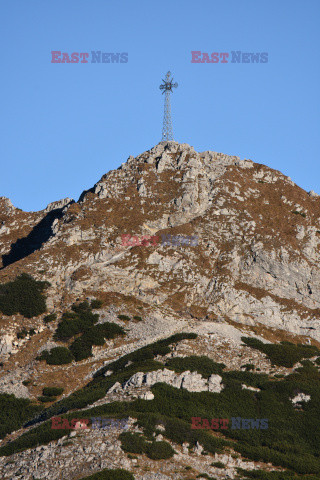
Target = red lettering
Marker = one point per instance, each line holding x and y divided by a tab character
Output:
55	423
65	424
65	58
74	57
205	58
84	422
73	423
84	56
145	240
195	421
215	423
125	240
215	57
205	423
224	423
54	57
155	239
224	55
194	58
135	241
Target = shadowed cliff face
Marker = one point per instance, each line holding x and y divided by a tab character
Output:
34	240
257	258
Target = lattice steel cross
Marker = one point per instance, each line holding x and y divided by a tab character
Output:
167	87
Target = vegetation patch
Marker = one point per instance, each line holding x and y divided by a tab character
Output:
201	364
263	475
56	356
52	391
14	412
81	320
96	304
46	398
291	440
283	354
75	322
135	443
24	295
50	318
123	368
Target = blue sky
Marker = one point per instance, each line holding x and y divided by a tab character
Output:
63	126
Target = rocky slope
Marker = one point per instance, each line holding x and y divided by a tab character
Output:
258	240
253	271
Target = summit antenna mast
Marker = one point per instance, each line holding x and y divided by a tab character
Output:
167	87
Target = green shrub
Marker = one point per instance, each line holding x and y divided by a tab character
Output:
161	347
201	364
24	295
123	317
14	412
218	464
80	349
282	354
50	318
75	322
97	334
46	399
52	391
135	443
159	450
56	356
81	307
266	475
82	320
116	474
96	304
132	442
139	319
32	331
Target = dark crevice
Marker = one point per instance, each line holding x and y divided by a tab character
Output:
36	238
85	192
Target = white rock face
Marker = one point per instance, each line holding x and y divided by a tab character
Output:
301	397
6	343
147	396
312	193
253	389
115	387
191	381
58	204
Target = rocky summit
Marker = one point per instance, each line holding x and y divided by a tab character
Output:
183	285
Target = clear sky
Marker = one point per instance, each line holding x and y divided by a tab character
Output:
63	125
